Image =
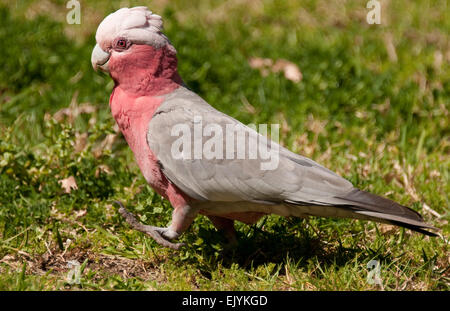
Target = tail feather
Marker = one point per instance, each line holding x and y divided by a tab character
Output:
415	228
384	210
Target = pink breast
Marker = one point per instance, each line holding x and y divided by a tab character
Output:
133	115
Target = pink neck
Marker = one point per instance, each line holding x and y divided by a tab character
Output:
141	76
145	71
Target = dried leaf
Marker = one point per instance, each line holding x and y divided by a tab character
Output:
291	71
73	111
106	144
80	142
79	214
258	63
103	168
387	229
266	65
68	184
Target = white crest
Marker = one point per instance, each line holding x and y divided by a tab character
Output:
138	24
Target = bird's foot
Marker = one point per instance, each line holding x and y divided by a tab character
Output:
161	235
226	226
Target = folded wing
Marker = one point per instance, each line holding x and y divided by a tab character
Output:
294	180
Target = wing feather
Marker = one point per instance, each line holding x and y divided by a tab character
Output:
297	186
296	178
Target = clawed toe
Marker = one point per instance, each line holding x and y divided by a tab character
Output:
160	235
167	233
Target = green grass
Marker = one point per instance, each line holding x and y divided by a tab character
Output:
378	120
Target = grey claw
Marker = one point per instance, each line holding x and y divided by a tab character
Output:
160	235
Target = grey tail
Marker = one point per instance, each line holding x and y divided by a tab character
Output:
384	210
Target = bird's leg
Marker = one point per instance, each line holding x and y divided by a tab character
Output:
182	217
226	226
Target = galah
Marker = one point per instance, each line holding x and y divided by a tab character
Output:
150	100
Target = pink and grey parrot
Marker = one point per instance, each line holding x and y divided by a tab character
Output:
149	99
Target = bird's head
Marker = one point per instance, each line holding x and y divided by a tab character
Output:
133	49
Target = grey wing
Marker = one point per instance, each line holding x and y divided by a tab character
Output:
290	178
297	184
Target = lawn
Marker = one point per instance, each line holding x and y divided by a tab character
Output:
372	105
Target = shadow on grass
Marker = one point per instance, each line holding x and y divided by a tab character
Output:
257	247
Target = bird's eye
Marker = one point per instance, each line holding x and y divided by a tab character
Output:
121	44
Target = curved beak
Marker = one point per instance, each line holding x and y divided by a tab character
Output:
99	59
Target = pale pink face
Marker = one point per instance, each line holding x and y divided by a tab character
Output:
135	52
126	34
